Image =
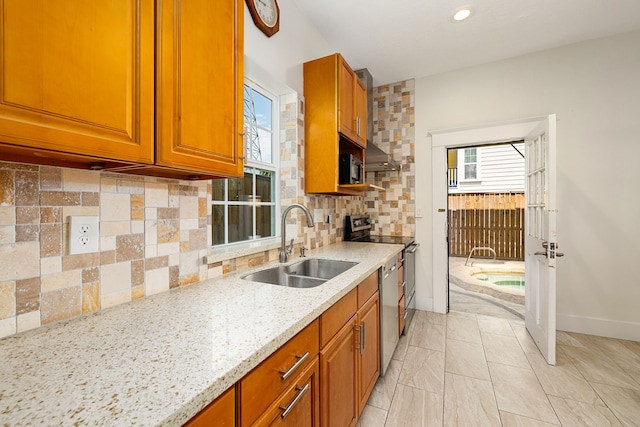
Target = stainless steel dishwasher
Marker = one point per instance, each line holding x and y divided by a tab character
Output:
389	334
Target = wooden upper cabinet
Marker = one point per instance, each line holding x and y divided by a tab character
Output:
352	107
332	116
200	86
77	77
360	107
147	87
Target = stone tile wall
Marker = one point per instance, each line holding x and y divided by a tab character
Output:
153	237
393	210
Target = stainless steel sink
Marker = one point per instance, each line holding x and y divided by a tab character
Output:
304	274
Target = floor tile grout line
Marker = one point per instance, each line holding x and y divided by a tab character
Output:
604	400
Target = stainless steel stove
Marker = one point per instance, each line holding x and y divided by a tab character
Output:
358	229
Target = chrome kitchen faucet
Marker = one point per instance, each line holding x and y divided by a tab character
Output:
284	250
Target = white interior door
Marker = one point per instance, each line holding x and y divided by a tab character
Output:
540	237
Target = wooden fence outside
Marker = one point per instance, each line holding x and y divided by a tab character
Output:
494	220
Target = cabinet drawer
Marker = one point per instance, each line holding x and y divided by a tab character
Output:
260	387
221	412
367	288
337	315
299	405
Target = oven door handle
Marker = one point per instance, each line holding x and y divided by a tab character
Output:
412	249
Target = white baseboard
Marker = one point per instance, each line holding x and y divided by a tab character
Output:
424	304
600	327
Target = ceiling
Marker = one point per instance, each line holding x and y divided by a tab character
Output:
402	39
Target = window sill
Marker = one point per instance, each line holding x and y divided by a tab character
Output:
244	249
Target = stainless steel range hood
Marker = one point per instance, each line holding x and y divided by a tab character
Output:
377	160
374	158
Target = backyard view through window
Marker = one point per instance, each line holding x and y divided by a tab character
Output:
245	208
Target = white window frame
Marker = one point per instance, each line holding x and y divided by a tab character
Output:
255	164
462	176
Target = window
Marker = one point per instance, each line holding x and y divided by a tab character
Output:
470	163
245	208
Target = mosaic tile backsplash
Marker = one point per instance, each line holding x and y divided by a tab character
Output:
393	210
155	233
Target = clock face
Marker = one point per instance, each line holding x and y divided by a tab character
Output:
267	10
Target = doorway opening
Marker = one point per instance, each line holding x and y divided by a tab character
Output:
485	229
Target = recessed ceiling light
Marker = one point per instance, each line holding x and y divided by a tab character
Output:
461	14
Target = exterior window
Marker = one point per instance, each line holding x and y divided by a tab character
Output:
470	163
245	208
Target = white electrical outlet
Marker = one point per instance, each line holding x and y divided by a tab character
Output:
83	234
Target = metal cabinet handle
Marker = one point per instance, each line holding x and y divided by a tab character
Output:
393	268
413	248
287	409
288	373
545	253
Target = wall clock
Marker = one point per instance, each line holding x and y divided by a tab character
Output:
266	15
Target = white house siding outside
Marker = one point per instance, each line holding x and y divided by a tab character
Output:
500	169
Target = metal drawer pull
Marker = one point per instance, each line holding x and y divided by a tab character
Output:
361	337
286	374
393	268
288	409
413	248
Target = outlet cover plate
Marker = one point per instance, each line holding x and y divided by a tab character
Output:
83	234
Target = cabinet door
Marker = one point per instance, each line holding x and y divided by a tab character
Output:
77	77
200	86
299	406
346	113
360	106
369	353
220	412
338	365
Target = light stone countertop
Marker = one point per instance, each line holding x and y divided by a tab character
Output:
159	360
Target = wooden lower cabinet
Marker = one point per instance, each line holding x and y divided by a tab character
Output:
277	375
298	406
369	355
338	368
220	412
350	366
301	385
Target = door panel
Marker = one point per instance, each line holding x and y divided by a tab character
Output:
200	75
346	115
540	238
77	77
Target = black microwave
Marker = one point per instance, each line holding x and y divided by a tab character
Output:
350	169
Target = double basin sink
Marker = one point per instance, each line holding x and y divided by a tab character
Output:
304	274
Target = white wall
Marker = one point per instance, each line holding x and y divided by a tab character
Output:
277	61
594	88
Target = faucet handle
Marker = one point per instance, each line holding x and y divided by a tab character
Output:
290	247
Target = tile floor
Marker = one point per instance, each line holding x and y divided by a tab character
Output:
464	369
